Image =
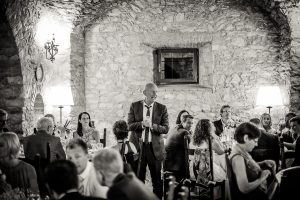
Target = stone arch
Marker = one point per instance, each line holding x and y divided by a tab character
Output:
278	12
11	79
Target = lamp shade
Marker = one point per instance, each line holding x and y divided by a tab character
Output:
269	96
59	96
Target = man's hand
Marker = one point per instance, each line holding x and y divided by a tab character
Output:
146	123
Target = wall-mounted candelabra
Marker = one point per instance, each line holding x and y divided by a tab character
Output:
51	49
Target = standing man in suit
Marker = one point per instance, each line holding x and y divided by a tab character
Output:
148	121
37	143
225	120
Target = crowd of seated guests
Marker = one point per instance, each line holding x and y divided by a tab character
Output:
254	156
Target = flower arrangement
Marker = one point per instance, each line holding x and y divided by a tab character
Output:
7	193
13	194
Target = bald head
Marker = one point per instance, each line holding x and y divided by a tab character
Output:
109	163
150	93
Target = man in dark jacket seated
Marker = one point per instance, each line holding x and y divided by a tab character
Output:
295	124
109	169
175	148
62	181
37	143
268	147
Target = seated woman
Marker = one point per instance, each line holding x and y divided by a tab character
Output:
85	131
126	148
250	178
266	122
179	120
18	173
180	116
201	163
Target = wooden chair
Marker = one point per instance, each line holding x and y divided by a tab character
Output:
203	189
103	140
289	183
289	154
232	181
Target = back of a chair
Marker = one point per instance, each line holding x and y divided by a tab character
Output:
186	156
40	165
289	188
211	159
289	154
231	180
103	140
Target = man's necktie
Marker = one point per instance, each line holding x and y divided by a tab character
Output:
147	128
80	185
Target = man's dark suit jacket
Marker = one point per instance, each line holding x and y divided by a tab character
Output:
175	149
78	196
128	187
267	148
219	127
297	153
159	117
37	144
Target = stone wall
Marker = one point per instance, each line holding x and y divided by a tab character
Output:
22	17
239	51
294	19
77	72
11	84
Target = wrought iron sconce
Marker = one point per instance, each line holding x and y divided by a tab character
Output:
51	49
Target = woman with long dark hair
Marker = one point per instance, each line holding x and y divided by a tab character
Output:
203	138
85	130
179	116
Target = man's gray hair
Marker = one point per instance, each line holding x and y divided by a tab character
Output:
109	161
43	123
150	85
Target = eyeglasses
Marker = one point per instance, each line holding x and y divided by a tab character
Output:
226	111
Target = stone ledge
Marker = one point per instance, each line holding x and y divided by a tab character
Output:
185	86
